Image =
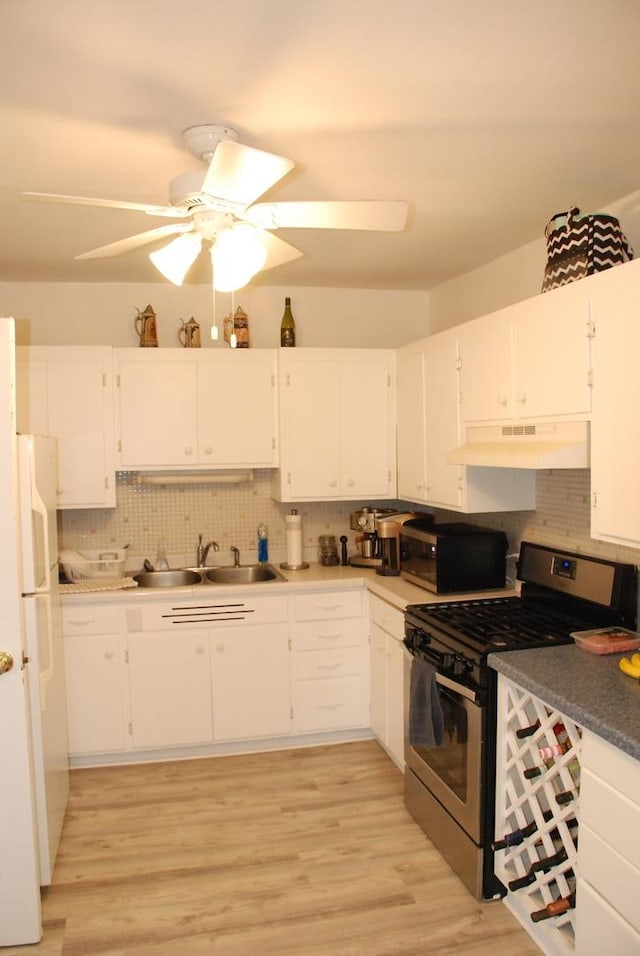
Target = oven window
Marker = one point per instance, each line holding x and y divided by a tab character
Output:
449	760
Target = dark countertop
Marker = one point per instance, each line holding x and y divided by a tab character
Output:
587	687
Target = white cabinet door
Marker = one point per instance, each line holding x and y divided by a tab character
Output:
250	679
170	684
378	682
97	708
412	410
442	415
158	409
552	354
615	454
237	420
337	424
395	700
67	392
310	432
485	368
189	409
367	464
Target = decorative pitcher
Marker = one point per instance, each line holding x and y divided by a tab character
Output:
189	334
145	325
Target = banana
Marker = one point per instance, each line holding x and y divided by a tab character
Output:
635	660
628	668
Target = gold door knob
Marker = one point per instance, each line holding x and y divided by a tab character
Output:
6	662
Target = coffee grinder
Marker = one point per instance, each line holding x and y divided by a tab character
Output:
388	537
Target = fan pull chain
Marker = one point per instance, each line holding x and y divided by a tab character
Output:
233	338
214	325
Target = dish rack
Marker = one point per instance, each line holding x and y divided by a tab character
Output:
88	565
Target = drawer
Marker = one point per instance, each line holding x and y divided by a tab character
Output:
615	878
333	704
599	928
312	665
320	635
611	815
620	770
91	620
389	618
325	605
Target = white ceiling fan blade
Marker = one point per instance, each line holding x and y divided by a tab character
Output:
132	242
239	174
169	211
383	215
278	251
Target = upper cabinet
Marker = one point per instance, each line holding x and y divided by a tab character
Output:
429	427
184	408
529	362
337	424
615	458
66	392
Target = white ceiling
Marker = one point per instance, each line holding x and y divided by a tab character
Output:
487	117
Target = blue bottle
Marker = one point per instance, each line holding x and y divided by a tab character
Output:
263	544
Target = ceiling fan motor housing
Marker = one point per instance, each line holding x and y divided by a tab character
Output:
202	140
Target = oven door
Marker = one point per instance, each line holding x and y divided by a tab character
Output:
450	768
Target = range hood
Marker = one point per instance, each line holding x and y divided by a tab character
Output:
533	446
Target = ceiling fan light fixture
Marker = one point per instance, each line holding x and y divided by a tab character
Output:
176	258
237	255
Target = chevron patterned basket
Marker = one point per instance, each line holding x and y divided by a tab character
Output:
580	245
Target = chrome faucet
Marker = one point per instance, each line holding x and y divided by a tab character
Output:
203	551
236	556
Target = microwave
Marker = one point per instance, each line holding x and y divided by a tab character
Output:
446	558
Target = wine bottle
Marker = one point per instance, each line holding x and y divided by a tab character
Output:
555	908
519	836
527	731
287	327
540	866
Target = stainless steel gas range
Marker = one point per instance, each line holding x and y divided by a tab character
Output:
450	712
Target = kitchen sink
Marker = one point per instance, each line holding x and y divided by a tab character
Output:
185	577
167	579
242	574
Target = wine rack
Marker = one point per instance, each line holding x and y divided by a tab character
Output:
536	826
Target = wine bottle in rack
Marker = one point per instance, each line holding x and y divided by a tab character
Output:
527	731
558	906
543	865
516	837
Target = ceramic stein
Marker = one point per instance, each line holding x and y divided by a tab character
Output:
189	334
145	325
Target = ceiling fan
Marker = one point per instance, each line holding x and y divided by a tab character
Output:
219	207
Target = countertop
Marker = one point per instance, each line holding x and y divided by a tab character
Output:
394	590
587	687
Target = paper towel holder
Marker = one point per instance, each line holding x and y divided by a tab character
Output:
285	565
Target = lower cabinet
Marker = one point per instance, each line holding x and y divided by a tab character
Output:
96	677
160	675
386	677
170	688
250	682
328	679
608	919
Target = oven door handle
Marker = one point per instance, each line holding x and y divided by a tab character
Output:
465	692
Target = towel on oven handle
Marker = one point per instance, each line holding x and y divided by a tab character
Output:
426	720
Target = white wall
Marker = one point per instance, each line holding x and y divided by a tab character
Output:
514	276
56	313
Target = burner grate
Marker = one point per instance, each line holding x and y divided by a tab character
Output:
501	623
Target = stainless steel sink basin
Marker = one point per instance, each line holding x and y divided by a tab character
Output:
167	579
242	574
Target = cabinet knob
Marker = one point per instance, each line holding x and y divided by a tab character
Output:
350	483
502	400
522	398
188	450
208	449
108	655
333	484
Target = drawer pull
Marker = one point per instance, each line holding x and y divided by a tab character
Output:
335	706
91	620
329	637
329	667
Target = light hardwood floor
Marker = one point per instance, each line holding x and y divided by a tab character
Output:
307	852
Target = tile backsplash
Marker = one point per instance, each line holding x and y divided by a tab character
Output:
173	515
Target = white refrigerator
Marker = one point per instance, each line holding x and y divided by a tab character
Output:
33	775
43	642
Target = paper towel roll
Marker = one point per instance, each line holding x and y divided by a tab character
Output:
293	524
